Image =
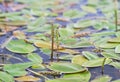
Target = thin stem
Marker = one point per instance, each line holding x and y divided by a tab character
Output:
57	42
116	14
103	63
52	46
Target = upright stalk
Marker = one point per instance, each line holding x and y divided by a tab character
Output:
57	42
116	14
52	45
103	63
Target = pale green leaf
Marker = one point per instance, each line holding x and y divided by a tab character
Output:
5	77
66	67
96	62
79	59
74	79
89	9
90	55
117	49
17	69
104	78
108	45
85	76
111	55
20	46
34	58
116	80
116	64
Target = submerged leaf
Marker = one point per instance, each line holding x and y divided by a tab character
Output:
66	67
20	46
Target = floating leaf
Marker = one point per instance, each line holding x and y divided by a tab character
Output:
108	45
104	78
96	62
89	9
90	55
103	34
70	51
74	79
34	58
67	57
5	77
83	24
15	23
66	67
116	64
17	69
27	78
66	32
111	55
116	40
81	44
19	34
117	49
116	80
20	46
85	76
43	44
74	13
78	59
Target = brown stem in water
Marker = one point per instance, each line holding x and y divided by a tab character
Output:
57	42
103	63
116	14
52	46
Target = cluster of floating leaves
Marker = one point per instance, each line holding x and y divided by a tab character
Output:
39	17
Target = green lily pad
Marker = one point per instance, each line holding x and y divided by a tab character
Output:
17	69
116	80
96	62
78	59
108	45
5	77
66	67
74	79
34	57
116	64
90	55
116	40
20	46
111	55
85	76
104	78
117	49
89	9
